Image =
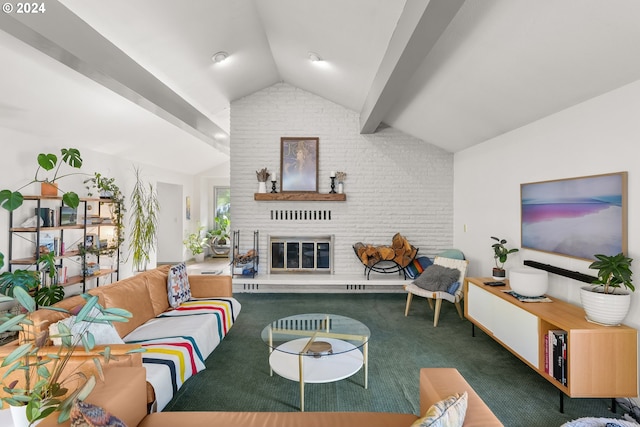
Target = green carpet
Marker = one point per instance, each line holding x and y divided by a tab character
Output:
237	375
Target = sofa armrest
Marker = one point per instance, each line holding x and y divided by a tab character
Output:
122	394
204	285
80	361
439	383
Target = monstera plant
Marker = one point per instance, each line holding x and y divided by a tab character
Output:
11	200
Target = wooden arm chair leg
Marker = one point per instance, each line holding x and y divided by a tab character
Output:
436	315
406	310
459	308
430	301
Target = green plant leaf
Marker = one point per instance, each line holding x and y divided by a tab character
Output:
91	302
87	388
24	299
11	323
71	199
11	200
47	161
88	341
17	354
72	157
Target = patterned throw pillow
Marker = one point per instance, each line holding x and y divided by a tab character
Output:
85	414
449	412
178	289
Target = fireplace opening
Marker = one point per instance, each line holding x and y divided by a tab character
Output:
297	254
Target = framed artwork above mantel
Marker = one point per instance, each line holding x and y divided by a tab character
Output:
299	164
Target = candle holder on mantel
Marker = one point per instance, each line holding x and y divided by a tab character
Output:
273	186
333	185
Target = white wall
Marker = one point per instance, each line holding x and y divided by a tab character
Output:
595	137
395	183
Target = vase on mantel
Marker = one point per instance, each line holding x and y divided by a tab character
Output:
340	188
262	187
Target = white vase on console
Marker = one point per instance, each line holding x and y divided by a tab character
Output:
262	187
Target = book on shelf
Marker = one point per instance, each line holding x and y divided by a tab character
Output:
47	244
557	355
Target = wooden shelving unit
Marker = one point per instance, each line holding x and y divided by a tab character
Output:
602	361
79	231
300	197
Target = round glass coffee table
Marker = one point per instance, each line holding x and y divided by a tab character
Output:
317	348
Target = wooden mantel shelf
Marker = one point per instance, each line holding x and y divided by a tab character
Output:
300	197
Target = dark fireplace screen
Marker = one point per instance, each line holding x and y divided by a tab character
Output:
300	255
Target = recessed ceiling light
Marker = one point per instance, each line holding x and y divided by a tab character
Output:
314	57
218	57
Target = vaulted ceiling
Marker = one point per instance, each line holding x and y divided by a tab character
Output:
136	79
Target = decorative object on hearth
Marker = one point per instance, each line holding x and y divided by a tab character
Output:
500	254
606	303
341	177
11	200
245	264
386	259
262	175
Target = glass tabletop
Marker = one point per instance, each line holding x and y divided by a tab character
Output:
315	334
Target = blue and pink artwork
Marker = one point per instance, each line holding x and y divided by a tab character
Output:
577	217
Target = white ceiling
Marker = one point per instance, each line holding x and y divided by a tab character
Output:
497	65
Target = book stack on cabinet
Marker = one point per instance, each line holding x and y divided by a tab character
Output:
555	349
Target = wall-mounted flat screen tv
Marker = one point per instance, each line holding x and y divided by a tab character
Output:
576	217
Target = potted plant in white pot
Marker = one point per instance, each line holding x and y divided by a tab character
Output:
500	255
196	242
606	302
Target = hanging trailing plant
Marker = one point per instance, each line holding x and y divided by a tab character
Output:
144	221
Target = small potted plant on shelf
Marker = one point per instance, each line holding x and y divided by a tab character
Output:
606	302
219	238
500	255
35	380
196	242
11	200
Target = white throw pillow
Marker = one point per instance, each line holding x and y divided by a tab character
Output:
103	333
449	412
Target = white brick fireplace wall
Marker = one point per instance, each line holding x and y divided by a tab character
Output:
395	182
